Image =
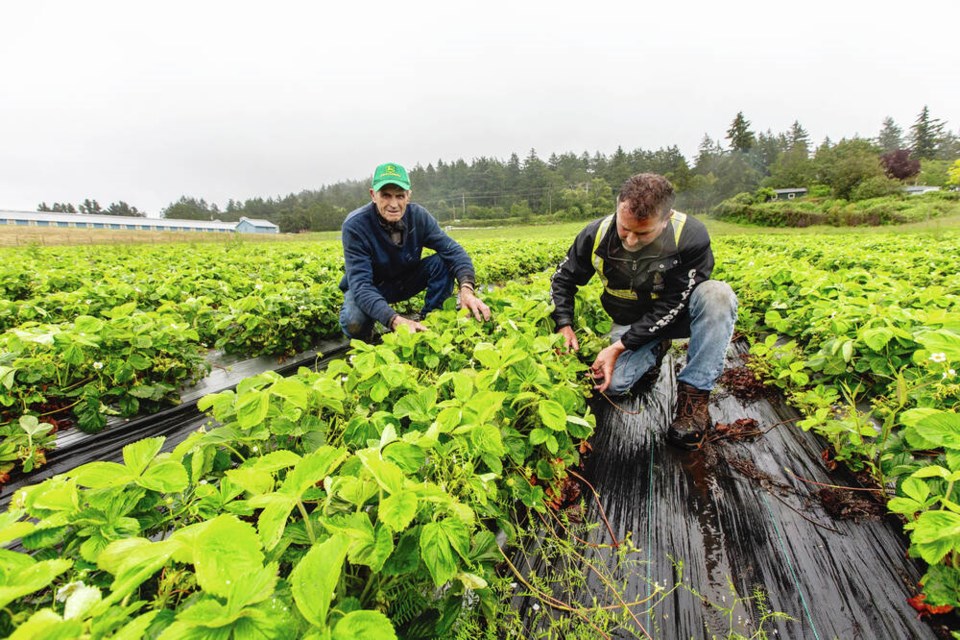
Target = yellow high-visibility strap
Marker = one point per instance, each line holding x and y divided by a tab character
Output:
677	220
626	294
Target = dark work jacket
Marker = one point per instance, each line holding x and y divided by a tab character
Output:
648	289
371	258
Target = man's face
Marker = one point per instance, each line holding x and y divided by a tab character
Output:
391	201
636	234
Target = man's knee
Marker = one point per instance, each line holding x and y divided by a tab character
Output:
716	297
355	329
353	322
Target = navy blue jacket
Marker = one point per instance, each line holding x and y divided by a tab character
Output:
371	258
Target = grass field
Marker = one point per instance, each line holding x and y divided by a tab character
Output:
20	236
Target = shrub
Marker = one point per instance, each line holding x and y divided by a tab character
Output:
876	187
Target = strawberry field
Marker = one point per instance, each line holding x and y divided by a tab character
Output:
365	500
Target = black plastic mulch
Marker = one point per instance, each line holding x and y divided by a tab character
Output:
742	517
75	447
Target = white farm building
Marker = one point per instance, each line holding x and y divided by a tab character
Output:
130	223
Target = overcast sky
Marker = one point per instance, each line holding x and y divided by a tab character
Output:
148	101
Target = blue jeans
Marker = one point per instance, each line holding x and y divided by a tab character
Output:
712	314
431	275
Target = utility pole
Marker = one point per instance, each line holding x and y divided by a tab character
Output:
463	205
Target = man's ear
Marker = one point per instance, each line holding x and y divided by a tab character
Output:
372	193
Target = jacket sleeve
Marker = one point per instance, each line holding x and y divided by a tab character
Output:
358	264
455	256
696	265
574	271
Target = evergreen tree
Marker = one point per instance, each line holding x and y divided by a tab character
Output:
90	207
707	153
739	134
925	135
121	208
890	137
798	137
766	150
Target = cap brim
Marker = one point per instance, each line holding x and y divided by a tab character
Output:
380	185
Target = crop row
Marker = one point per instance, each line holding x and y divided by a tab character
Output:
93	333
357	502
864	335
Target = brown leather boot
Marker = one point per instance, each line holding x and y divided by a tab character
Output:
690	427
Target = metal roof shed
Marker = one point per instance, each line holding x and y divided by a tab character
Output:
252	225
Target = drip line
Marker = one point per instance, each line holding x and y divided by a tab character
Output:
793	574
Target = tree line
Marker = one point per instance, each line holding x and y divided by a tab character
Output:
570	186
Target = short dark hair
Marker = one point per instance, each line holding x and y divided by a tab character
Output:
647	195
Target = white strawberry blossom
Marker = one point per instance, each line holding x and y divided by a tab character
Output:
939	356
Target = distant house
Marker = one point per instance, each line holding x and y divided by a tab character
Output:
919	189
251	225
131	223
789	194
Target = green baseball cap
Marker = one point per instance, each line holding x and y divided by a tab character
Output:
390	173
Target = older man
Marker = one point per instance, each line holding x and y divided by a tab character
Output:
382	246
655	264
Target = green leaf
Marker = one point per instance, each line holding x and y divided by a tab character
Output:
539	436
293	391
273	519
419	407
409	457
553	415
398	510
47	625
226	551
388	475
552	445
487	355
274	461
30	579
167	476
364	625
437	553
847	350
877	338
100	475
11	530
137	455
941	341
312	469
916	489
373	553
251	479
132	561
252	408
935	534
139	361
941	428
314	580
136	628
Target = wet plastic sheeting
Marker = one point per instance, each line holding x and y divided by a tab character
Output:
75	447
736	520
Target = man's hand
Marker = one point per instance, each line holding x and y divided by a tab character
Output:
473	304
412	325
602	367
570	342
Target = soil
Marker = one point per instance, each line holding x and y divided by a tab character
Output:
846	504
744	384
